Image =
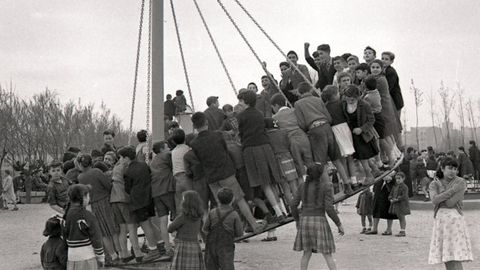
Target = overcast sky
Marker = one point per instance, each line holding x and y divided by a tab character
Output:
86	49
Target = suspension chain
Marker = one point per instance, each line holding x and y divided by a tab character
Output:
136	73
149	79
215	46
182	55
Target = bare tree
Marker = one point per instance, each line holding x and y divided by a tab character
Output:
432	115
448	104
418	95
471	119
460	112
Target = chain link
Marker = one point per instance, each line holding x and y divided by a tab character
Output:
136	73
215	46
149	79
182	55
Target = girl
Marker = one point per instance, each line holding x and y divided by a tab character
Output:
392	122
450	240
399	202
188	254
54	252
100	202
313	231
365	209
360	120
262	170
381	205
82	232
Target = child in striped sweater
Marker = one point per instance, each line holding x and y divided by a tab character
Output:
82	232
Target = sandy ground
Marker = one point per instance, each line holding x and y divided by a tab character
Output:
21	239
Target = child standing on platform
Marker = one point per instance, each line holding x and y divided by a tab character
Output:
399	202
313	231
82	232
54	252
365	209
223	224
188	254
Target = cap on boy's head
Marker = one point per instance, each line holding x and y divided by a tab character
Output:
55	164
225	196
352	91
68	156
179	93
304	87
270	123
292	52
371	82
278	99
211	100
371	49
73	149
52	227
158	146
199	120
286	64
324	48
362	67
329	92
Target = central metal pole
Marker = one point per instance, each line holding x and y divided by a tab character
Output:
158	122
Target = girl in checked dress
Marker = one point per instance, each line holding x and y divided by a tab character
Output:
313	231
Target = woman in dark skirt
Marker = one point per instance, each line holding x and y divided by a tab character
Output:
260	162
381	205
360	120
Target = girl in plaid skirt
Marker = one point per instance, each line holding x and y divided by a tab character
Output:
188	254
313	231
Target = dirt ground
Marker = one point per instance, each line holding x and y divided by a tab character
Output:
21	239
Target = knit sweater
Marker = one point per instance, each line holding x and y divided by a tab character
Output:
310	109
101	184
373	98
449	195
187	229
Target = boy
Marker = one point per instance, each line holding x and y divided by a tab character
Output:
57	190
214	115
292	75
180	102
138	187
314	118
340	65
369	54
361	73
8	193
231	122
108	141
285	83
222	226
163	189
169	108
344	79
211	150
182	181
322	64
142	146
299	143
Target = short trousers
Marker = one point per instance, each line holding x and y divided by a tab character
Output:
165	204
143	214
324	145
229	182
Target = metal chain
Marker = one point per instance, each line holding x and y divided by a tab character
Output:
136	72
181	54
251	49
273	42
149	68
215	46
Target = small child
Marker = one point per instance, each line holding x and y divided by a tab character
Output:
340	64
82	232
399	202
188	253
54	251
8	194
365	209
313	232
223	224
231	122
57	188
180	102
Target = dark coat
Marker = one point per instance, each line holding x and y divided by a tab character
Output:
138	185
394	87
399	197
365	120
381	203
465	165
474	154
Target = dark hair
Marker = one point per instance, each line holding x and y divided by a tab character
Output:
370	82
101	166
158	146
343	74
278	99
401	174
253	84
227	108
391	55
324	47
249	97
169	96
363	67
178	136
461	148
109	132
371	49
448	161
329	92
472	143
192	205
314	174
304	87
284	64
410	150
55	164
199	120
68	156
179	93
189	138
377	61
173	124
85	160
107	148
315	54
67	166
73	149
53	227
142	135
338	58
292	52
76	193
225	196
96	153
264	77
346	56
352	91
127	151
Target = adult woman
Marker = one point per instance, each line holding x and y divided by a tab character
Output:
450	241
381	205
